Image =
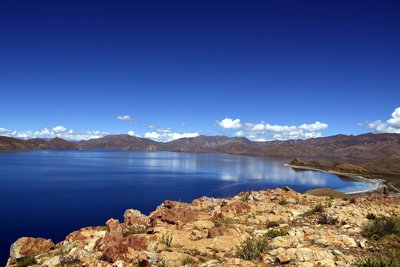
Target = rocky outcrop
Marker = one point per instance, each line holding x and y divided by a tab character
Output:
29	246
214	232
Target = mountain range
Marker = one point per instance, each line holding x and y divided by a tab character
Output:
359	147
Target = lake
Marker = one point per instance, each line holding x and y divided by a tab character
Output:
52	193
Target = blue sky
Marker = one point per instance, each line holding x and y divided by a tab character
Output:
179	68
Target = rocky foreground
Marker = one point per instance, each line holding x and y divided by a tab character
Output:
258	228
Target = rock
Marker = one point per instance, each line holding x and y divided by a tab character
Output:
195	235
134	218
174	213
283	259
29	246
114	227
137	242
114	251
231	210
363	243
54	261
203	224
220	231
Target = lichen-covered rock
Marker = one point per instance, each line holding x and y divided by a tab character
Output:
29	246
134	218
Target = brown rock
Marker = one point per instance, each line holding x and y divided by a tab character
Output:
221	231
232	209
137	242
135	218
174	213
113	226
115	251
282	259
29	246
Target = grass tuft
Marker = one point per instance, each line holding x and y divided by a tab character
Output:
26	261
134	231
221	222
325	218
166	239
382	226
252	247
272	233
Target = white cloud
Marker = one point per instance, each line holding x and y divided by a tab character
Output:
228	123
263	131
395	120
239	134
392	125
169	136
316	126
152	135
124	118
57	131
132	133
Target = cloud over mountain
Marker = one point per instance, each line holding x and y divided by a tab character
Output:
228	123
264	131
57	131
391	125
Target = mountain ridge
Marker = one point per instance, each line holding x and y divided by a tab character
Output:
363	146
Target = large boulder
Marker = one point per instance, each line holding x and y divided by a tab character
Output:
172	212
232	209
114	227
29	246
134	218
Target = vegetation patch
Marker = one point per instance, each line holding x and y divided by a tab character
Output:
325	218
221	222
318	208
188	261
283	202
371	216
382	226
166	239
326	192
272	233
26	261
134	231
252	248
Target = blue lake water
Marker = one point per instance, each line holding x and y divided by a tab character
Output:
52	193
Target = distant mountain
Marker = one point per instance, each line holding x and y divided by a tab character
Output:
365	146
119	142
10	143
204	143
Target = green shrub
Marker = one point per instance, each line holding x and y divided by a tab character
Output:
187	261
272	233
382	226
381	262
221	222
26	261
252	247
246	198
166	239
318	208
327	219
134	230
283	201
371	216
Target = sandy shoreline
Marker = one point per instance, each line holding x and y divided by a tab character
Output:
378	183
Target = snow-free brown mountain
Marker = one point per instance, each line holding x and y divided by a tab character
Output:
365	146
